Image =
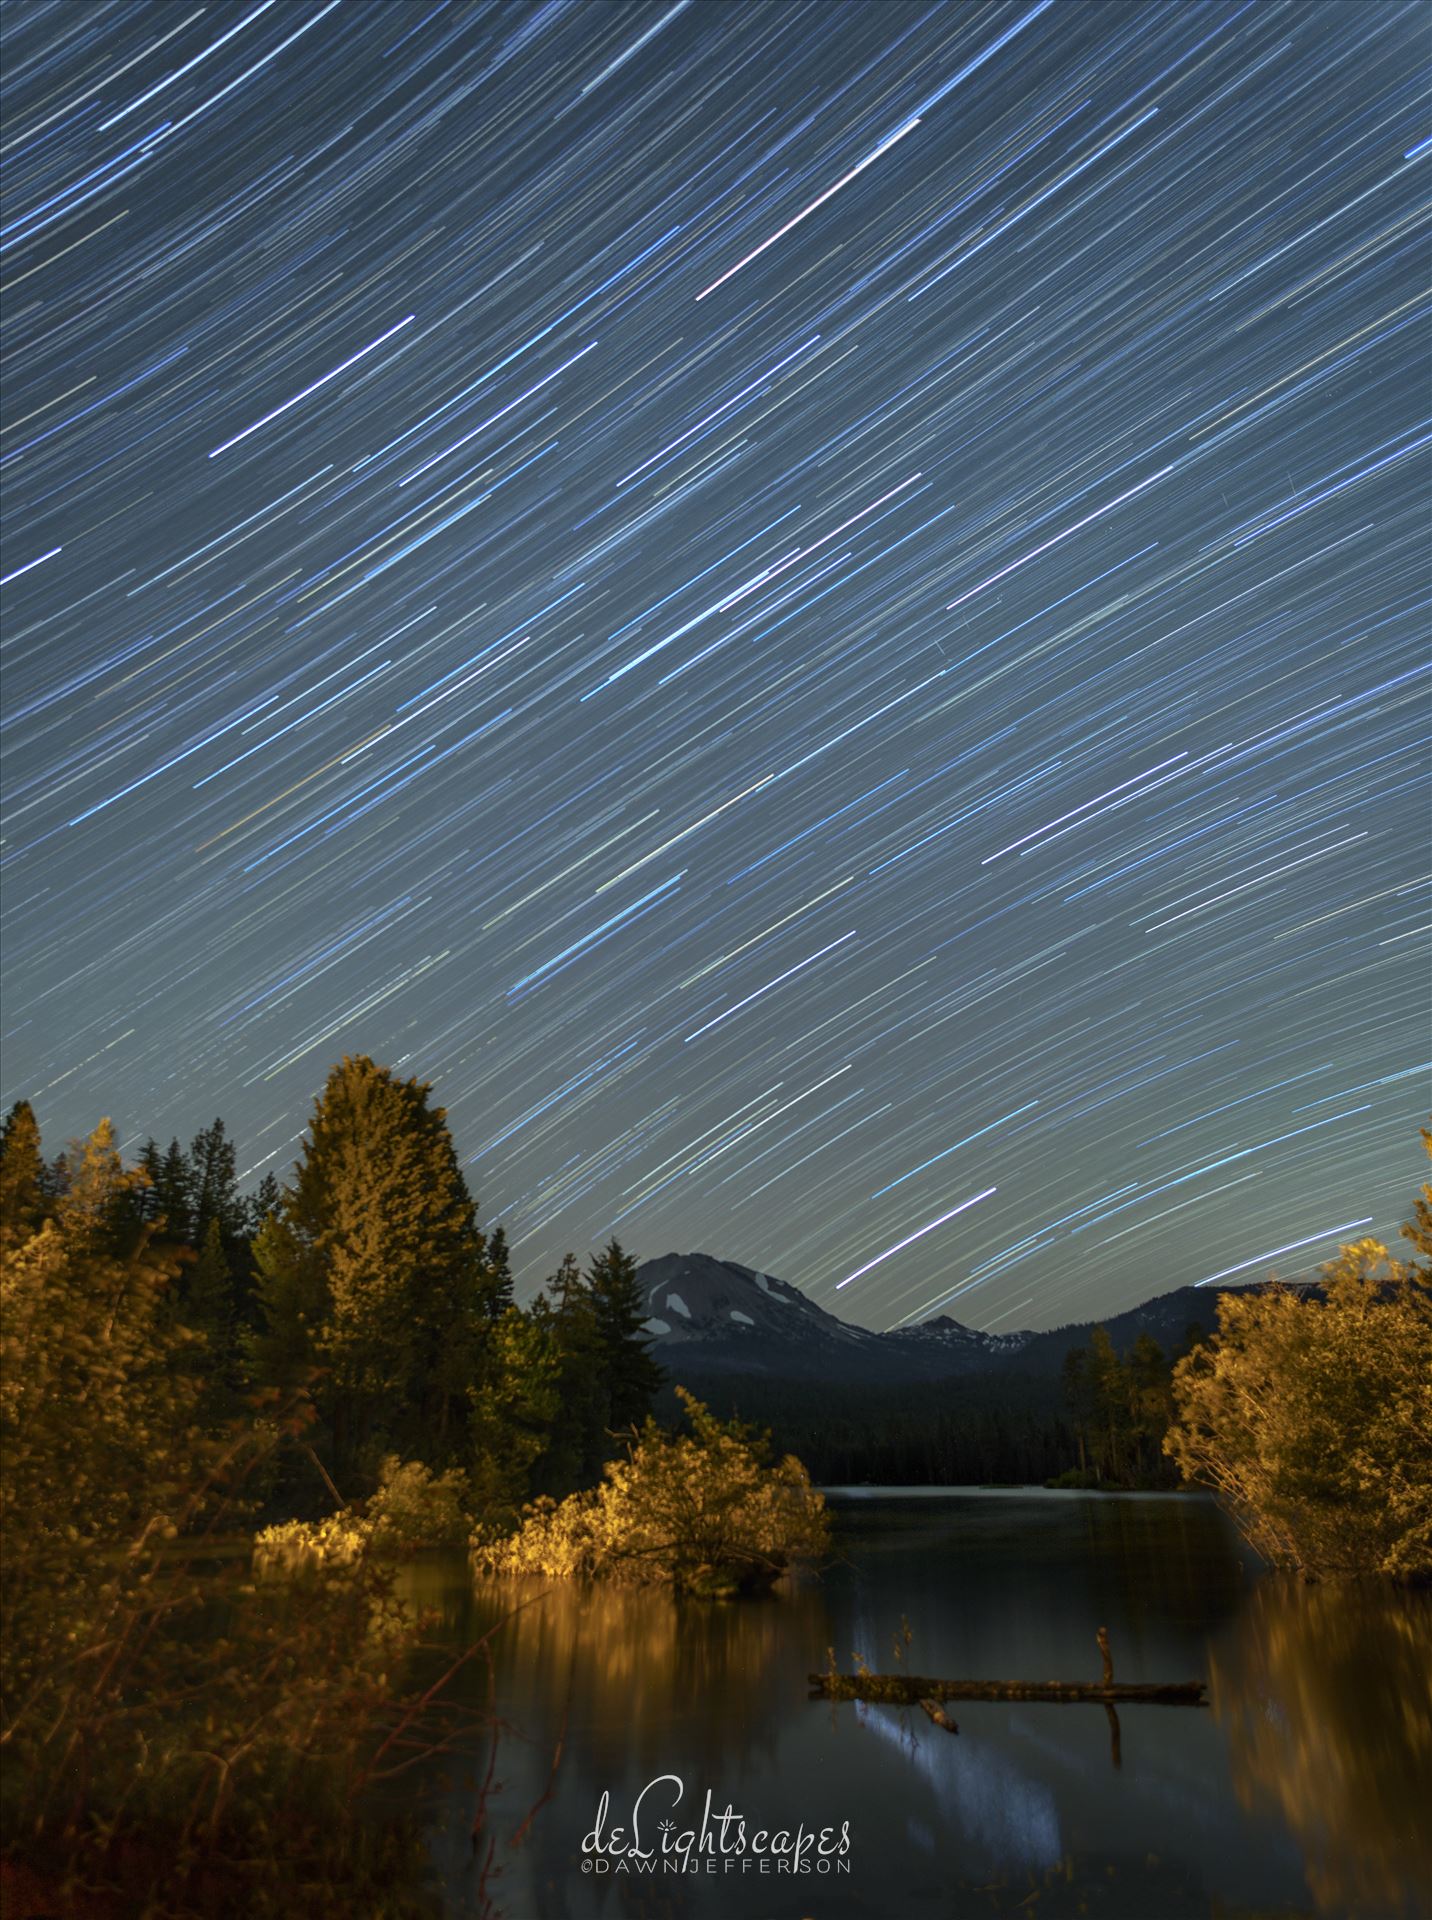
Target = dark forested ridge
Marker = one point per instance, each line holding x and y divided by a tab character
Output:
939	1403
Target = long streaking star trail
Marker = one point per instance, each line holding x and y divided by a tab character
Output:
919	1234
313	386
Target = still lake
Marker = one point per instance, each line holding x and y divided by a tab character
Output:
1304	1789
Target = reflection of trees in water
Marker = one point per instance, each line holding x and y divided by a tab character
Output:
1156	1552
614	1671
1152	1556
1326	1695
629	1661
439	1587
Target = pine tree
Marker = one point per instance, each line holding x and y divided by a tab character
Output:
23	1182
567	1313
1079	1398
265	1199
255	1211
96	1199
1111	1403
375	1264
499	1264
293	1305
631	1375
1149	1377
169	1202
515	1408
208	1307
567	1289
213	1185
151	1165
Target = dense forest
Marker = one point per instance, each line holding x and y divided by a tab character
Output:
1099	1425
365	1285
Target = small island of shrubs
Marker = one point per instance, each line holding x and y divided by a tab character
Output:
703	1512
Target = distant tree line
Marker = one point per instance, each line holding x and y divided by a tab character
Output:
970	1431
1100	1424
1120	1408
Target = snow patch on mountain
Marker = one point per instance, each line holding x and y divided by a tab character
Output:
709	1315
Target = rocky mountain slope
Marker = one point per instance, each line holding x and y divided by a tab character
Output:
715	1317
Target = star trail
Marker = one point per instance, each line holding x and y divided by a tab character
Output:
814	608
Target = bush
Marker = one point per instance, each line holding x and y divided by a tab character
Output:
412	1508
1312	1418
702	1512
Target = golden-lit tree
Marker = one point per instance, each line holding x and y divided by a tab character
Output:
1311	1416
703	1511
373	1271
515	1407
22	1175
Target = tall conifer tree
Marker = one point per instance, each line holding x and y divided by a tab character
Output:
578	1445
499	1263
23	1181
151	1165
375	1262
263	1201
96	1200
209	1307
168	1201
631	1375
213	1185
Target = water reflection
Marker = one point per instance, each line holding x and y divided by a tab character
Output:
1301	1792
1326	1696
632	1663
1009	1816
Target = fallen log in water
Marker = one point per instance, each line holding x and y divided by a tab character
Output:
904	1689
941	1718
908	1689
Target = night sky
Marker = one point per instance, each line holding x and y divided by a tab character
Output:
815	610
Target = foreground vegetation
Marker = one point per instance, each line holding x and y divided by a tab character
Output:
176	1735
1311	1415
223	1422
702	1512
188	1726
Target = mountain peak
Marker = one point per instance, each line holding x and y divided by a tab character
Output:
695	1295
718	1316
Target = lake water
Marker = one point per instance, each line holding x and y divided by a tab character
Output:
1304	1789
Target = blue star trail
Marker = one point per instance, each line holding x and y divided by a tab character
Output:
817	610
